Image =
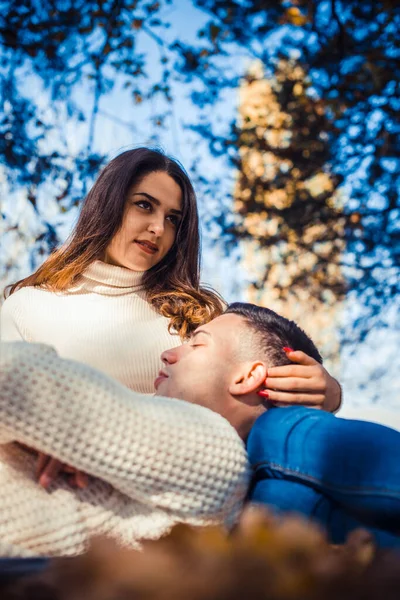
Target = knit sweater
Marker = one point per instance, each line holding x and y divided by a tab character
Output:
104	321
152	462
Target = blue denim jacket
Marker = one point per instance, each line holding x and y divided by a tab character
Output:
343	473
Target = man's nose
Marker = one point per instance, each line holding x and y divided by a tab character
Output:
169	357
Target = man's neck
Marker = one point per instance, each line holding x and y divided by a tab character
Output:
245	422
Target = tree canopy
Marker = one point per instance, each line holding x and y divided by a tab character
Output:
344	120
341	111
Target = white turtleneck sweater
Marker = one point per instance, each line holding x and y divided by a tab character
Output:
104	321
153	462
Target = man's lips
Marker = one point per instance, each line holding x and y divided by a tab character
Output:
160	378
146	246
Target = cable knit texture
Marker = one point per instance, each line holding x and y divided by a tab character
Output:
104	321
153	462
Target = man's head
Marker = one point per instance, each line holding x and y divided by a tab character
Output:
225	363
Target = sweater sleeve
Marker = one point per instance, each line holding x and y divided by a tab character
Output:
159	451
10	327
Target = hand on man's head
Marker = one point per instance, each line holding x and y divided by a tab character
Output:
306	382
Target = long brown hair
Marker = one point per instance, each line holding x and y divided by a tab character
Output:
173	285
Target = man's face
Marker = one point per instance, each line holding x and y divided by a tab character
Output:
202	370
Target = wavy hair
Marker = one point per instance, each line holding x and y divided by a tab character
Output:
172	285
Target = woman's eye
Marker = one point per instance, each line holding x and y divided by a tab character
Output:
174	220
144	204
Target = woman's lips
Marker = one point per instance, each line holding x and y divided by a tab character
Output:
146	247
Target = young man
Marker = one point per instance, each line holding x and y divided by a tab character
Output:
302	458
343	473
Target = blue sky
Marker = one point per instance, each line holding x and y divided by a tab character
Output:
120	125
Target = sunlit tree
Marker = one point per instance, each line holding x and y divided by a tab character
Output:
292	219
344	86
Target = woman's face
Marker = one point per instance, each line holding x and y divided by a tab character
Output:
153	211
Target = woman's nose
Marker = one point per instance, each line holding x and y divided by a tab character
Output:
157	227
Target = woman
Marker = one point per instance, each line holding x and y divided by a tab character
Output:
126	283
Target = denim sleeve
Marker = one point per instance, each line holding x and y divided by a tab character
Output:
352	463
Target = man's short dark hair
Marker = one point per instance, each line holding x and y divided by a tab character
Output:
275	332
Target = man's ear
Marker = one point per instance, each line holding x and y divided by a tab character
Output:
248	379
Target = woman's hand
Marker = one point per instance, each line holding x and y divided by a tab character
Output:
48	468
306	383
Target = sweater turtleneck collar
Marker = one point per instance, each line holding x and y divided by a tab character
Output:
102	278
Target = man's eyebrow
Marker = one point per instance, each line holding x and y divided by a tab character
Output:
156	201
200	331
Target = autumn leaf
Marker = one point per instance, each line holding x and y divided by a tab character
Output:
295	17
